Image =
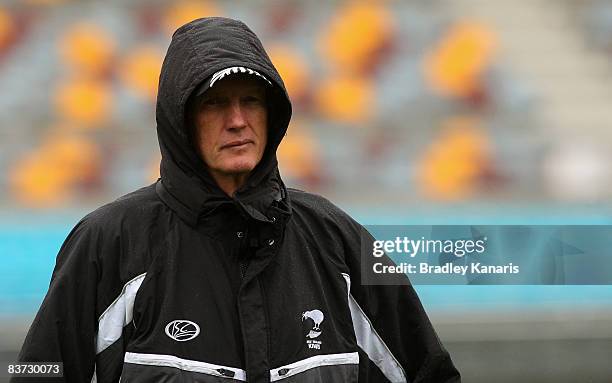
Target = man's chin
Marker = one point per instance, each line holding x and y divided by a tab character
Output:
238	168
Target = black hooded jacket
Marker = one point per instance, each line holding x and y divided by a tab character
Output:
178	282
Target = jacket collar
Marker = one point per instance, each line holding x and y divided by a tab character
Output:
192	201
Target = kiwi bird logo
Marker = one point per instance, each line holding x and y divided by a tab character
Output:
317	317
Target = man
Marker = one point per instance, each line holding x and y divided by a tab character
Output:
218	272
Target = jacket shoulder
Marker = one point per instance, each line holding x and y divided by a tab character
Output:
319	207
300	198
121	235
122	227
131	208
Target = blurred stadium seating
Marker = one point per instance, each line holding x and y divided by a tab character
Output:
443	111
91	68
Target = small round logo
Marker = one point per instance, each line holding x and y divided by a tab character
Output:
182	330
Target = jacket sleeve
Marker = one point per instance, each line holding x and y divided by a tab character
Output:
391	326
65	325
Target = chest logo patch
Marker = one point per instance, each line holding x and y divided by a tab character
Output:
182	330
316	317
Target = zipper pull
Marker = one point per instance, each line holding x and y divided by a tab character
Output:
224	372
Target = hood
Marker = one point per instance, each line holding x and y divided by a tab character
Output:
198	50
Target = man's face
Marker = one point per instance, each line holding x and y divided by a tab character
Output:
231	126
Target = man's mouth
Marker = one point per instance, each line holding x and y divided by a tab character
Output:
237	144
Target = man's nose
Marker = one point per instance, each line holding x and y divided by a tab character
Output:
236	118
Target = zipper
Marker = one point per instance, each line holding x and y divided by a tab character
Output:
267	316
185	365
243	253
313	362
244	264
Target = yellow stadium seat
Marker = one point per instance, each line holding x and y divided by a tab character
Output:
87	48
299	155
153	168
346	99
453	165
35	182
454	67
140	71
7	28
77	156
292	68
84	101
357	34
183	12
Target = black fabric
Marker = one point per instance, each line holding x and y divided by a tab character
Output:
110	361
137	373
347	373
368	371
258	273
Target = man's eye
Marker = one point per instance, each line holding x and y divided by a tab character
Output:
212	101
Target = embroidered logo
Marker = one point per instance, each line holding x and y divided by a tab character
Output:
182	330
235	69
317	317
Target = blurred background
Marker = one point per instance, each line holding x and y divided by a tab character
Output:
405	112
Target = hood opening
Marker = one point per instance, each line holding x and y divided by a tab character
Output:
198	50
